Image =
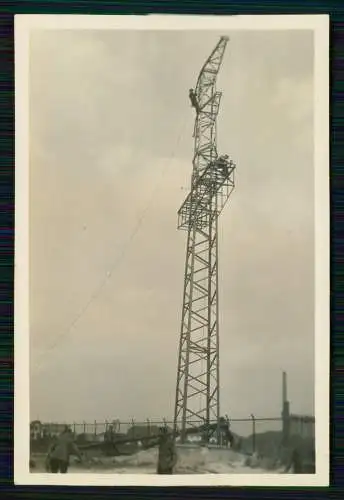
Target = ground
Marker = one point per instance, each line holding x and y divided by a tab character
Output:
191	460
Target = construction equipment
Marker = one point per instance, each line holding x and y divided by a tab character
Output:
197	400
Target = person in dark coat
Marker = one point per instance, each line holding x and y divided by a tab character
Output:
109	435
229	437
167	453
295	464
193	99
60	452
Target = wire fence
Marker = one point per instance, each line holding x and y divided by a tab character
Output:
252	434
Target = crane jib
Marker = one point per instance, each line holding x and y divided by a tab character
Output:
214	61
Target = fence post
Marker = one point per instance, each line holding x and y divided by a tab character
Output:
148	427
253	433
133	426
95	427
106	425
84	426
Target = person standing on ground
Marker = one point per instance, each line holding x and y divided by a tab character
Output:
295	463
60	452
167	453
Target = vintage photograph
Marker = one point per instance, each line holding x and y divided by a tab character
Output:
175	208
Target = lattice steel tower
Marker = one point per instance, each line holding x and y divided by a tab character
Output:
197	392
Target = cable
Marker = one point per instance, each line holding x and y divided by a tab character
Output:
136	229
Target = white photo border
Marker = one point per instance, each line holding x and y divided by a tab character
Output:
319	24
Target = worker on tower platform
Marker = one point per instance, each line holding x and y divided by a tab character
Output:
222	163
167	458
60	452
193	99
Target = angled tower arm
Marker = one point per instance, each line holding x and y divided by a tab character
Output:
209	71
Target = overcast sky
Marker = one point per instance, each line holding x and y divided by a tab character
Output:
110	147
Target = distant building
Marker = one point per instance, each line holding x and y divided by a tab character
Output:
36	429
39	430
295	425
302	425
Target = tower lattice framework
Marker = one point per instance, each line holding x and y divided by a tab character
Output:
197	390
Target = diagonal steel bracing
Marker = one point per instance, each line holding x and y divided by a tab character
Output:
197	391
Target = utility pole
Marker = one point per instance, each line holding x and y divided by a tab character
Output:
197	390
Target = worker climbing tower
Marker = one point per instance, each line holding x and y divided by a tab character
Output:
197	393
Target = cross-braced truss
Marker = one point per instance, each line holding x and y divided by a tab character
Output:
197	392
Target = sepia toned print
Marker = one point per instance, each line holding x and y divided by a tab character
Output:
173	235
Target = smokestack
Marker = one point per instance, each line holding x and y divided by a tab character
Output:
284	389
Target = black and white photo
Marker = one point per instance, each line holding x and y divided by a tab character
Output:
172	268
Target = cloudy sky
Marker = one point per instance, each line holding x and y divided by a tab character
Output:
110	162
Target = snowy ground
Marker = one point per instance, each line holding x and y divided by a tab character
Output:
191	460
